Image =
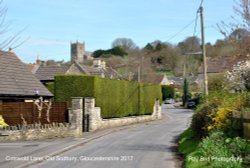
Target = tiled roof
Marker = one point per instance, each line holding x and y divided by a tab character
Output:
30	66
103	72
47	73
17	80
156	79
219	64
88	69
110	73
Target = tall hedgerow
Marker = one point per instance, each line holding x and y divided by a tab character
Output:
117	98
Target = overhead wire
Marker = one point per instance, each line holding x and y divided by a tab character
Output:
186	26
181	30
196	20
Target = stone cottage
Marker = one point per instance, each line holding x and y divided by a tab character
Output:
17	83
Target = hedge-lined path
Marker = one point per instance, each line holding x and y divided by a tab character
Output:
148	145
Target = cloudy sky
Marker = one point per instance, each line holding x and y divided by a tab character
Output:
48	26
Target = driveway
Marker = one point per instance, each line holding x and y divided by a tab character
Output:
147	145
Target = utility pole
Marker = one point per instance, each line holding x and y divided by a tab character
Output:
139	73
204	52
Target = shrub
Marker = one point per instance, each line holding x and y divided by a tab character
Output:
229	103
201	119
216	112
238	78
116	98
224	152
2	122
216	82
167	92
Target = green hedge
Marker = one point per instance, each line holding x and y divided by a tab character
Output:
117	98
50	86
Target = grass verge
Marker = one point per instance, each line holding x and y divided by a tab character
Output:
188	145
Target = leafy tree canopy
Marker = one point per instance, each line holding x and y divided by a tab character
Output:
116	51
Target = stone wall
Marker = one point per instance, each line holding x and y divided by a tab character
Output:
96	121
75	125
37	131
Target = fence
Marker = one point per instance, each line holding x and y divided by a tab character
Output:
15	113
245	118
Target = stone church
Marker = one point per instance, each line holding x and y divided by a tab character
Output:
79	57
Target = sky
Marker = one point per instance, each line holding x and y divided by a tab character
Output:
47	27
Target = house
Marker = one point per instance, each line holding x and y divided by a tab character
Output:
160	79
78	65
47	73
17	83
219	64
177	81
216	67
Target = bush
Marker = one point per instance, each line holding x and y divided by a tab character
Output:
201	119
116	98
221	152
216	112
2	122
167	92
216	82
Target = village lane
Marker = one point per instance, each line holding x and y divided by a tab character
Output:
148	145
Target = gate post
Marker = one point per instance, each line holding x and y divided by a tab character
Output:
157	109
93	112
76	115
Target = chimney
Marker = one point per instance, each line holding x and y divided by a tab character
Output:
38	60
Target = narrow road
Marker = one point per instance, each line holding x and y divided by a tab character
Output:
148	145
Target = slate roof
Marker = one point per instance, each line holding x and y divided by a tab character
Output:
176	80
98	71
48	73
16	80
88	69
156	79
220	64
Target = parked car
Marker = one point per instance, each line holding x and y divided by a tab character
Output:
169	101
191	103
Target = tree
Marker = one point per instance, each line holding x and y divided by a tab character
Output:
149	47
125	43
116	51
167	92
98	53
158	47
241	19
239	77
7	41
237	31
190	44
242	10
186	93
239	34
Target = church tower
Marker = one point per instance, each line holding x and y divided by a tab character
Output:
77	52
